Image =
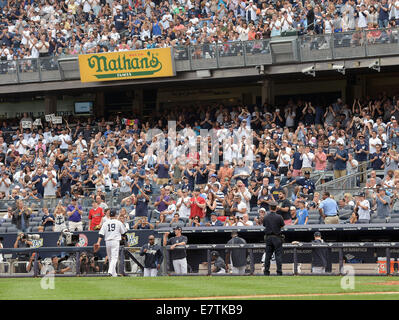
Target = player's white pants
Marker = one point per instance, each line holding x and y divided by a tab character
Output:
150	272
113	256
180	266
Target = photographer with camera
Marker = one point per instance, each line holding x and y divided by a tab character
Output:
88	263
20	216
54	266
22	241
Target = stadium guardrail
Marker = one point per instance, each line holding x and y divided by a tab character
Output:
252	248
321	47
295	247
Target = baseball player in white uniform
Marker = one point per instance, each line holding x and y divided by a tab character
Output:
112	231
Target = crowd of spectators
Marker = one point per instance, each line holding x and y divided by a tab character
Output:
29	29
83	165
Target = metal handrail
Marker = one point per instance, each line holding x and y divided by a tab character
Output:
295	246
241	61
345	178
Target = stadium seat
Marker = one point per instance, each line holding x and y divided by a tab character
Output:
163	225
394	220
48	228
12	229
34	229
3	230
378	220
6	224
313	221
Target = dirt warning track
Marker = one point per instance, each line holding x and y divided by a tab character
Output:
265	296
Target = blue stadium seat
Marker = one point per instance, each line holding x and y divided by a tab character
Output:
6	224
378	220
12	229
163	225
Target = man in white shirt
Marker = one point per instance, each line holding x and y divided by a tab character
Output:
65	140
363	206
307	160
283	161
286	22
81	143
239	207
363	13
183	204
5	184
50	185
373	141
244	221
32	141
169	212
244	193
21	144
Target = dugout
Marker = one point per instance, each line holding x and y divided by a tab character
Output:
367	233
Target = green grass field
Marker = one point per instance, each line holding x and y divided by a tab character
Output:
124	288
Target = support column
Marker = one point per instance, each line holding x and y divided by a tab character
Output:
99	108
138	101
50	104
266	91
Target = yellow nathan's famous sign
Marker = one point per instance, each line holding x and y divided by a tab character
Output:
121	65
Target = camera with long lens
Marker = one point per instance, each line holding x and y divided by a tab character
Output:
68	239
30	237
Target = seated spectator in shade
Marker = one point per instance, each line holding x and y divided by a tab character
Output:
143	224
175	219
214	222
162	219
195	222
244	221
259	220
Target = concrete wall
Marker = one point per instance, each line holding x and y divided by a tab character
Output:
37	107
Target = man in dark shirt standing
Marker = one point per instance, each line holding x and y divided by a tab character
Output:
153	257
283	207
178	257
236	257
319	255
273	223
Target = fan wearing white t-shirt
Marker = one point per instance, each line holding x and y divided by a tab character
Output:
307	159
65	140
373	141
363	206
183	205
239	207
50	185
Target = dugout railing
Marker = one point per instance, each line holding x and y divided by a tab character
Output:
380	266
387	267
